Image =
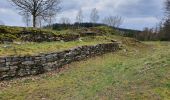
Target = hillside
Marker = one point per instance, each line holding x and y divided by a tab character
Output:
137	70
122	31
31	41
127	74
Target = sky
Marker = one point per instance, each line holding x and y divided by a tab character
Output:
137	14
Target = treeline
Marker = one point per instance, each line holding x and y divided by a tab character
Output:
161	32
128	32
62	26
149	34
121	31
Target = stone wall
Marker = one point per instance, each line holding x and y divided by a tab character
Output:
11	67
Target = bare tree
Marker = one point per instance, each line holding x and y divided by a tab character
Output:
114	21
50	18
94	17
167	8
166	27
37	8
65	20
40	20
79	17
26	19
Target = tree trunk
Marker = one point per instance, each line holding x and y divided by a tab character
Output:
34	20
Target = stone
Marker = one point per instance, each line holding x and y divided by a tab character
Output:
28	63
2	60
3	69
13	67
2	64
33	65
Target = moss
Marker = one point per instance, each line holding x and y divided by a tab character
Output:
106	30
20	33
3	35
40	35
32	48
11	30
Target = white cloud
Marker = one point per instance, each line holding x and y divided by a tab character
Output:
10	17
137	13
142	20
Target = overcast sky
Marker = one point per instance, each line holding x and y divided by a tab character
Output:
137	14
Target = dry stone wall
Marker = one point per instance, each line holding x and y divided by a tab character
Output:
11	67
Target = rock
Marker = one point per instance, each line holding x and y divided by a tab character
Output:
80	40
7	46
18	43
3	69
28	62
33	65
113	40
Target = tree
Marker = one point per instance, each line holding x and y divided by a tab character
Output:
167	8
26	19
94	17
65	20
37	8
166	24
79	17
166	29
114	21
51	18
40	21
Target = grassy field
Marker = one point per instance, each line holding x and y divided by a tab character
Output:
134	73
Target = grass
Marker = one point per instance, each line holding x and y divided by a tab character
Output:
33	48
134	73
12	33
27	48
13	30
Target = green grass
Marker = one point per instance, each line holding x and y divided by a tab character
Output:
12	33
137	73
13	30
32	48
